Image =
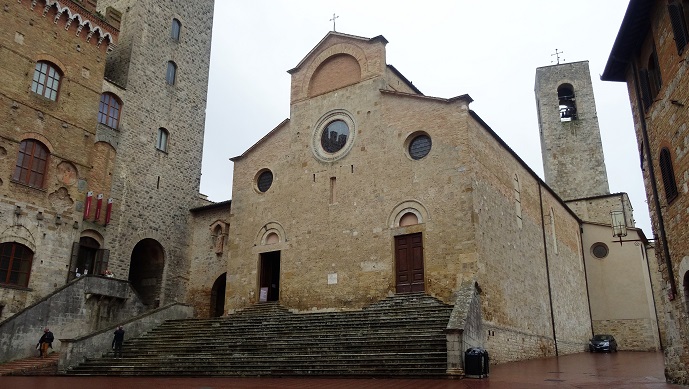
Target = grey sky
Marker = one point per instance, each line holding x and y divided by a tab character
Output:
487	49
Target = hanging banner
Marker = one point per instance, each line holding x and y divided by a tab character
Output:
99	204
108	211
87	205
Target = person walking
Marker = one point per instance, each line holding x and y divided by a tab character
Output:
117	341
45	342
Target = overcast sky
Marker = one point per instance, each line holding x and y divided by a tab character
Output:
487	49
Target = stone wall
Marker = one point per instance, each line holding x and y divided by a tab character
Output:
154	189
47	219
87	304
597	209
208	253
665	122
530	267
94	345
573	161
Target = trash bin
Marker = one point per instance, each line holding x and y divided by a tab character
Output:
476	363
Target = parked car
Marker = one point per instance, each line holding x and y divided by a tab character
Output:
603	343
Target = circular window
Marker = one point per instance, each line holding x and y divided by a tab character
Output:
599	250
418	145
264	180
334	136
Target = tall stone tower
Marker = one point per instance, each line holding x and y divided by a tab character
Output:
160	72
571	145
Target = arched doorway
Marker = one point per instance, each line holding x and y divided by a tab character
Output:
218	296
146	271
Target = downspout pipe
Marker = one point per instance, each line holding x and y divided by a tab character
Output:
547	269
654	187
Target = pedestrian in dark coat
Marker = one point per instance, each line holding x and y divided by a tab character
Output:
117	341
45	342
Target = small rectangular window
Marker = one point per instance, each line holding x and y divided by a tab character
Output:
161	143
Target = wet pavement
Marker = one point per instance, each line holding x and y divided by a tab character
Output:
622	370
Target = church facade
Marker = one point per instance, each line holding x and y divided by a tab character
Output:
371	188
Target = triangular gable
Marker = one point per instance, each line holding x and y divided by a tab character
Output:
268	135
325	38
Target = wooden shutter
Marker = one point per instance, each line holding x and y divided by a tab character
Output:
102	257
73	262
679	28
645	88
668	175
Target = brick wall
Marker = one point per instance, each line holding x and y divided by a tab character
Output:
48	218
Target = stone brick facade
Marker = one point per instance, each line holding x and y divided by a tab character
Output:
652	61
572	152
331	219
120	194
46	218
153	186
208	256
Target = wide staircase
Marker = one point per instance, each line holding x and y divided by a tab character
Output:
399	336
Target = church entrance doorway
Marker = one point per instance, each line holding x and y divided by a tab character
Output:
270	276
218	296
409	263
146	271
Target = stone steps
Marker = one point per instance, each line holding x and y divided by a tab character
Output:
31	366
399	336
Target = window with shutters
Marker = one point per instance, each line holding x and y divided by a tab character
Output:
567	103
15	264
650	80
46	80
668	175
679	20
32	162
109	110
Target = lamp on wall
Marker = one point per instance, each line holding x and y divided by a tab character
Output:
619	225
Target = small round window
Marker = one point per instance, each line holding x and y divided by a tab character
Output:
420	146
264	180
334	136
599	250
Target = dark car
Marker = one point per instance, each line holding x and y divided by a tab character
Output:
603	343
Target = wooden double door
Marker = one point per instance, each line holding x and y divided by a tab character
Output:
409	273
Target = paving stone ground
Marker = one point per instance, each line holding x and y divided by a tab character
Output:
622	370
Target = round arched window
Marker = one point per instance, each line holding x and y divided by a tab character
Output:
334	136
420	146
599	250
264	181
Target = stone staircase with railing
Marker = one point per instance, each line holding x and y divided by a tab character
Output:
402	335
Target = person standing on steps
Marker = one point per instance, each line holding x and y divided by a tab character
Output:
117	341
45	342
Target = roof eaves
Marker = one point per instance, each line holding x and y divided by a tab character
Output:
634	28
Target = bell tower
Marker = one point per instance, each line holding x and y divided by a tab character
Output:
571	146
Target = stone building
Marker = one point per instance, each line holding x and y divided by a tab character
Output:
649	54
619	276
371	188
51	70
103	163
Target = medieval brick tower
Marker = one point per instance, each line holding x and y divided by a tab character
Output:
159	73
570	137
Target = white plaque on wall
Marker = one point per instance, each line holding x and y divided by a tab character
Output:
332	278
